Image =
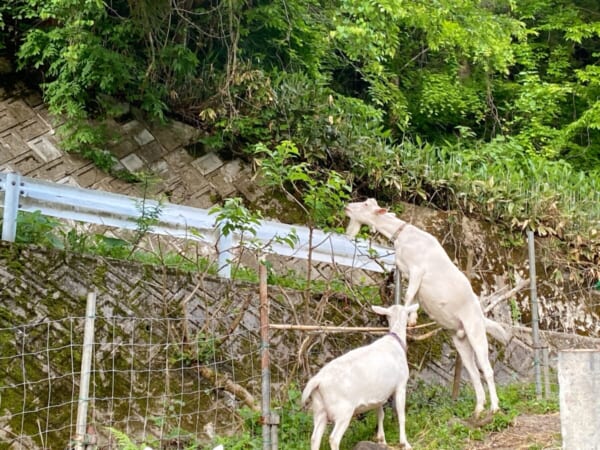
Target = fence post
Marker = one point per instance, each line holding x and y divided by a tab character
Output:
12	190
269	419
86	368
535	320
397	286
579	394
546	367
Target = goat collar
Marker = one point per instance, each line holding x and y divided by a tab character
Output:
394	236
400	341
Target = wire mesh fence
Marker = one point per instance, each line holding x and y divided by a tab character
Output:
170	381
177	354
147	381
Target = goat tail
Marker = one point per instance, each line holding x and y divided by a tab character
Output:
312	384
496	330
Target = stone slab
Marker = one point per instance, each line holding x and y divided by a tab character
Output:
160	167
222	186
50	120
75	162
69	181
14	142
55	171
143	137
33	98
231	170
132	127
45	148
123	147
175	134
27	163
208	163
132	162
32	128
168	138
151	152
192	178
20	110
178	158
207	200
7	120
249	189
89	176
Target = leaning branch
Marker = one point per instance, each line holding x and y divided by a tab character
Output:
222	381
499	298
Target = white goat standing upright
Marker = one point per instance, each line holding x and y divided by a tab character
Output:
442	290
361	380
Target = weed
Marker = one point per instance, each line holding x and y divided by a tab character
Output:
434	420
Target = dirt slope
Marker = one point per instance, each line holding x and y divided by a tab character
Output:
537	431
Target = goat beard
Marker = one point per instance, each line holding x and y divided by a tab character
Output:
353	228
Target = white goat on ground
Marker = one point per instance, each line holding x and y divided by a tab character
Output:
361	380
442	290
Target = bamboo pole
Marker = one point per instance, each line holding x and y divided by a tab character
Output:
334	329
338	329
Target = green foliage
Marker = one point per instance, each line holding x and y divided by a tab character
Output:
498	181
234	216
491	108
149	215
434	420
124	441
286	35
444	100
34	228
322	199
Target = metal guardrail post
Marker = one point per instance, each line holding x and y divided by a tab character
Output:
180	221
12	190
225	255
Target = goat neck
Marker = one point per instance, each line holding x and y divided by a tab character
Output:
389	225
398	327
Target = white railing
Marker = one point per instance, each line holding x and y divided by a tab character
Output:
120	211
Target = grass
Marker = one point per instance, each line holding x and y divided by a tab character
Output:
433	420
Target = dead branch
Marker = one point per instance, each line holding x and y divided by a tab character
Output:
237	320
222	381
422	337
499	298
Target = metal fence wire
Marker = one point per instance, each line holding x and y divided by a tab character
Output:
147	380
177	356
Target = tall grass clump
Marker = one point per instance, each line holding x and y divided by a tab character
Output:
501	182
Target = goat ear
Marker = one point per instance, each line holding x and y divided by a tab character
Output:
380	310
381	211
412	308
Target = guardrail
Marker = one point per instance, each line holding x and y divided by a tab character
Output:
120	211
